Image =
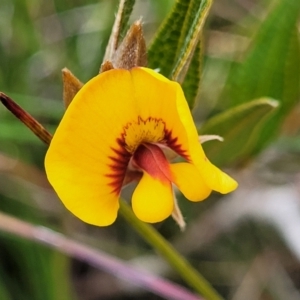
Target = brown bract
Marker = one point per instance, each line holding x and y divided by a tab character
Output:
71	85
132	51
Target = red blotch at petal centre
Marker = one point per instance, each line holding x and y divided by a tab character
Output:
151	159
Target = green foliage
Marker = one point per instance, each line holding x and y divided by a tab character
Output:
270	68
240	127
191	83
163	50
190	36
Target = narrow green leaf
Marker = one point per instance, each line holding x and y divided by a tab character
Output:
191	82
162	52
190	37
178	44
270	68
240	127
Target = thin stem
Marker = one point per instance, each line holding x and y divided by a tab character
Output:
180	264
26	118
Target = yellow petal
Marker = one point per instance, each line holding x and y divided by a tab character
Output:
212	176
189	181
218	180
152	199
158	97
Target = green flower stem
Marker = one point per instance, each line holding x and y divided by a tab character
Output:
180	264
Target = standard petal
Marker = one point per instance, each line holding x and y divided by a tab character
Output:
157	96
152	199
189	181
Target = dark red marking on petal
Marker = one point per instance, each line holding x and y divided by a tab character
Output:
118	165
172	142
154	158
168	140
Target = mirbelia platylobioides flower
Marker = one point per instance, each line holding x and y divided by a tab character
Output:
125	125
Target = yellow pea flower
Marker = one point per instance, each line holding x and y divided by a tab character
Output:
116	130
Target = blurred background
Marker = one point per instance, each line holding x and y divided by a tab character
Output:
246	244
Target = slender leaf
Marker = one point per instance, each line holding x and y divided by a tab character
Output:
173	55
163	50
240	127
191	82
190	36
